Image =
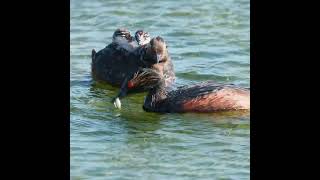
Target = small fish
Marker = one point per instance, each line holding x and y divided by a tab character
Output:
117	103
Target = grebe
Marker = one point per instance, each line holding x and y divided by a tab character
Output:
142	37
114	62
153	55
123	40
116	65
206	96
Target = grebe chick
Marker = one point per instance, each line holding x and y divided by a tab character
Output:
142	37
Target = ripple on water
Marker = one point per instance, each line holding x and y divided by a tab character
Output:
207	40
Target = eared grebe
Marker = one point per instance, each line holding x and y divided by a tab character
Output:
116	65
202	97
111	64
153	55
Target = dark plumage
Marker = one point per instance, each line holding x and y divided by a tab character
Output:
202	97
116	66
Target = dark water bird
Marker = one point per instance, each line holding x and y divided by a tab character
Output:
205	96
121	59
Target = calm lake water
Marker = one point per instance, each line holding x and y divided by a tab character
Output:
208	40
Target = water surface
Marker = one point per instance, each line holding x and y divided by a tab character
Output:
208	40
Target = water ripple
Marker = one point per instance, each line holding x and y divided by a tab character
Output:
207	40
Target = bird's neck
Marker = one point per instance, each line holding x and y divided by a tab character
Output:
156	95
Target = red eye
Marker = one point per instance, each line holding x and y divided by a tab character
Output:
130	84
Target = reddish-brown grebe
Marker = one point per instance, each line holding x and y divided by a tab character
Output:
202	97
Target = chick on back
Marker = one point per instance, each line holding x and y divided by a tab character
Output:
123	39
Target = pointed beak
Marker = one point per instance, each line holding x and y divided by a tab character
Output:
158	58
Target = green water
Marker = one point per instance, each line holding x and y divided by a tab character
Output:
208	40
